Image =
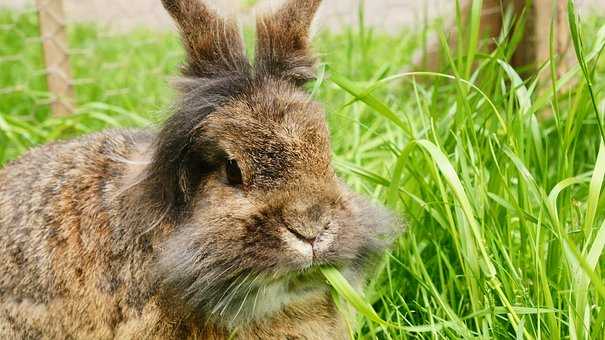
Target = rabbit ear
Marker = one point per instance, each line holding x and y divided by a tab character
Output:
214	45
283	42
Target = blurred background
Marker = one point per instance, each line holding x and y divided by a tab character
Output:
390	15
58	31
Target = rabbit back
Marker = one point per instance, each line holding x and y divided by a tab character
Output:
63	240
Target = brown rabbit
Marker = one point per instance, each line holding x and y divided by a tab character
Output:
213	227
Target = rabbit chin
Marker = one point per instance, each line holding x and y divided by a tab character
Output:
268	298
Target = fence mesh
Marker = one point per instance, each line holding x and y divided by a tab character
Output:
97	54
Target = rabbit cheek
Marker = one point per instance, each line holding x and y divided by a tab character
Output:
360	233
226	212
373	229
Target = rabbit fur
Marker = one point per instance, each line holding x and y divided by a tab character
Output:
212	227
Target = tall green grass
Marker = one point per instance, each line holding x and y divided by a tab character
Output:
506	225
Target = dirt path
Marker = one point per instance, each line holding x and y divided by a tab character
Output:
390	15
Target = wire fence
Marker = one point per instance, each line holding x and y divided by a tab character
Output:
50	60
53	51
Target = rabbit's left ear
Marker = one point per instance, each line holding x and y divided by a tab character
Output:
283	49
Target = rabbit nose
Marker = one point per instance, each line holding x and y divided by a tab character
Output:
308	235
308	224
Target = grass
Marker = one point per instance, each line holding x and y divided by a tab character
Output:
506	221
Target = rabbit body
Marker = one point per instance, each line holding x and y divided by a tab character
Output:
214	226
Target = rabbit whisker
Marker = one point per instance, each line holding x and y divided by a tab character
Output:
225	299
126	188
233	294
214	278
211	289
250	286
154	224
224	295
258	292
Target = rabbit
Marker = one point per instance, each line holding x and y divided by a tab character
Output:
213	227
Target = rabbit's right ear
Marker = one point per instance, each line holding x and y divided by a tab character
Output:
283	46
214	45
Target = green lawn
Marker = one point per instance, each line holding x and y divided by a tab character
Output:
506	221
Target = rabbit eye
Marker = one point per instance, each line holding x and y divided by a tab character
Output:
234	174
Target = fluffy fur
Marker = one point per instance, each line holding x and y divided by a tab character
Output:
136	234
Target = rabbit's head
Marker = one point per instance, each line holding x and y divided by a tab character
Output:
243	169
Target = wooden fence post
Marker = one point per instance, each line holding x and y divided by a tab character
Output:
534	49
51	18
